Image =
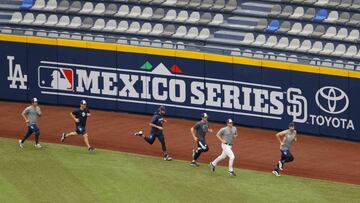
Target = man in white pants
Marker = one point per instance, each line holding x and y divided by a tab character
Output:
226	135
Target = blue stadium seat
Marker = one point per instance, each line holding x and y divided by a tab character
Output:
27	4
321	15
273	26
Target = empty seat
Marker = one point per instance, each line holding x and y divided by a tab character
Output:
284	27
206	4
355	4
316	47
318	31
286	11
354	20
169	30
52	20
334	3
180	32
282	43
87	23
296	29
351	51
28	18
51	5
75	22
353	35
275	11
75	7
145	29
342	34
322	2
182	16
270	42
344	17
111	9
305	46
182	3
16	17
64	21
122	26
261	24
259	40
170	15
217	20
99	9
99	25
339	50
134	27
203	34
328	48
308	29
309	14
123	10
110	25
40	19
87	8
205	18
63	6
192	33
194	17
194	3
159	13
294	45
218	5
321	15
332	17
298	13
134	12
38	5
146	13
345	4
273	26
157	29
330	33
230	5
248	38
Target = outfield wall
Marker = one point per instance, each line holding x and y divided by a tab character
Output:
259	93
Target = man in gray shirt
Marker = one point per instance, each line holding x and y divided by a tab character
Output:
30	115
286	139
226	135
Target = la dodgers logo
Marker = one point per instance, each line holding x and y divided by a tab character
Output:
16	75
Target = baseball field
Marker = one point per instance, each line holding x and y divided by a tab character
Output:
63	173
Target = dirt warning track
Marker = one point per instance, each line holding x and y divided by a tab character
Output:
315	157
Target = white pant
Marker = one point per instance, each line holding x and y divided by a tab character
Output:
226	152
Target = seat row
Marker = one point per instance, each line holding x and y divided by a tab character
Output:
123	26
338	4
216	5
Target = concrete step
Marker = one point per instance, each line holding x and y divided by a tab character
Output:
225	34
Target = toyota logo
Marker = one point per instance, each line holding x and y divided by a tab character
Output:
332	100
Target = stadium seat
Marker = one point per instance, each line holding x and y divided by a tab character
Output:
339	50
192	33
218	5
355	4
99	9
206	4
182	16
305	46
309	14
344	18
296	29
134	27
342	34
63	6
134	12
170	2
111	10
87	23
248	38
328	48
217	20
51	5
170	15
99	25
40	19
203	34
344	4
194	17
275	11
332	17
110	26
353	36
180	32
316	47
169	30
205	18
194	3
354	20
286	11
87	8
334	3
16	18
122	26
28	18
123	11
270	42
259	40
52	20
307	30
261	24
75	22
273	26
159	13
230	5
322	2
294	45
38	5
146	13
351	51
330	33
321	15
64	21
182	3
298	13
75	7
284	27
26	4
318	31
145	29
158	29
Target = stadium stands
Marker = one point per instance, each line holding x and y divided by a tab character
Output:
295	31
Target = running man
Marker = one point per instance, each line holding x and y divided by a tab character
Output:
226	135
286	139
80	116
30	115
157	128
198	131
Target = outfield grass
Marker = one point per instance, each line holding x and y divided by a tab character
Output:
62	173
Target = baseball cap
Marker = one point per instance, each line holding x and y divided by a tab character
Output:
229	120
204	115
83	102
292	124
33	100
161	108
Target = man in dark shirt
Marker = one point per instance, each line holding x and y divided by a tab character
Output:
198	131
156	124
80	116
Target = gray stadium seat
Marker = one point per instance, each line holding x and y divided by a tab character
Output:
123	10
134	27
99	25
38	5
218	5
354	20
231	5
170	15
286	11
63	6
145	29
344	18
99	9
205	18
75	7
318	31
182	16
217	20
169	30
309	14
52	20
87	23
298	13
284	27
28	18
64	21
275	11
75	22
194	17
159	13
146	13
134	12
87	8
111	9
122	27
110	25
16	18
40	19
158	29
330	33
355	4
51	5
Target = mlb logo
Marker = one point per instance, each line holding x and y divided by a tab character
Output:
56	78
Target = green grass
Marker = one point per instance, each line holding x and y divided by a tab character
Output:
62	173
